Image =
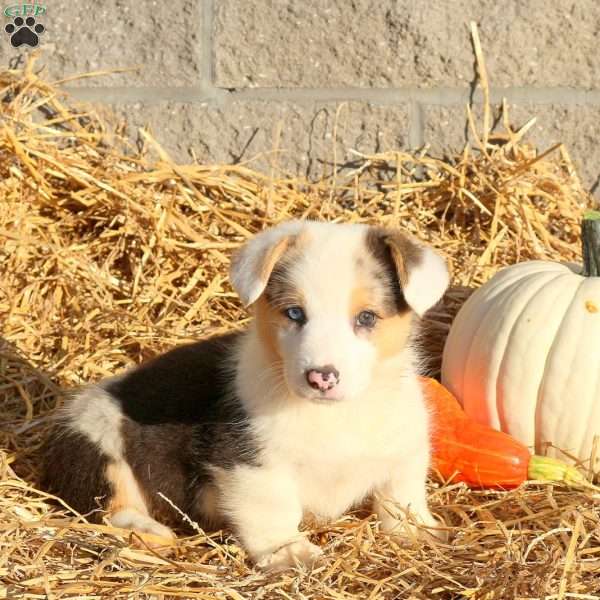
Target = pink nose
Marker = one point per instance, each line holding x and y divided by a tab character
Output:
324	378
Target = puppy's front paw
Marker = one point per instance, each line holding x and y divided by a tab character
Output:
298	553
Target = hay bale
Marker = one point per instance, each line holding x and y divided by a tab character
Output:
108	257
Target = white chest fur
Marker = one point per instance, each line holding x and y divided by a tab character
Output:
337	453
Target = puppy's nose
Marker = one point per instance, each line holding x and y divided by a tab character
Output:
323	378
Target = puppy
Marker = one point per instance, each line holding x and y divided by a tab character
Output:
311	410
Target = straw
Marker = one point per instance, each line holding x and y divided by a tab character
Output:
108	257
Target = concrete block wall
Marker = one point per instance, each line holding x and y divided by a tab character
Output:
293	80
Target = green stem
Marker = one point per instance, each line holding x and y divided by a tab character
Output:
544	468
590	237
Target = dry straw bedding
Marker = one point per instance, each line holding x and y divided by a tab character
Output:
108	256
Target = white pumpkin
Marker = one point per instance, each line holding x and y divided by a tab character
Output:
523	355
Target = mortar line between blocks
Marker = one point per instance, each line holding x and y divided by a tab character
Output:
443	96
434	96
416	136
207	55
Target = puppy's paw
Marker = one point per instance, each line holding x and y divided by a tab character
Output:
427	528
296	554
152	539
149	532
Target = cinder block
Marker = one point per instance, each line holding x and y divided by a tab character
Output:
164	38
289	138
399	43
445	129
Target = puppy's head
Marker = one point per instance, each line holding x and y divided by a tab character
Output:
332	302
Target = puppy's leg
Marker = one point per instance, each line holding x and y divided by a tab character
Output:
405	490
153	532
127	508
264	506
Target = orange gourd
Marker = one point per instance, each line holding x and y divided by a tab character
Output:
463	450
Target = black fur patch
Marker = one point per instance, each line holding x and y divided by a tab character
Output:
181	417
74	470
378	244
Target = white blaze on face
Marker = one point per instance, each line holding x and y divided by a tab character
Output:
325	275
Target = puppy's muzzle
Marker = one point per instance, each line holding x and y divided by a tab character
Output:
323	378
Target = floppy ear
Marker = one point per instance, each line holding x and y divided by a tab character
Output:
423	273
253	263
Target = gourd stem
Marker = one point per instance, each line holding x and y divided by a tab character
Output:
590	237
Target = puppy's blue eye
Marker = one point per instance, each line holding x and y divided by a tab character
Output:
296	314
366	318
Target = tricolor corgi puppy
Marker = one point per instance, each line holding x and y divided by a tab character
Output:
314	408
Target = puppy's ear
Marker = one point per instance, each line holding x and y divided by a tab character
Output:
422	273
253	263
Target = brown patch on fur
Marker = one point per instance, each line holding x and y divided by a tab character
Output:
373	291
277	259
391	335
392	255
279	294
272	256
268	320
393	328
361	299
126	491
264	264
